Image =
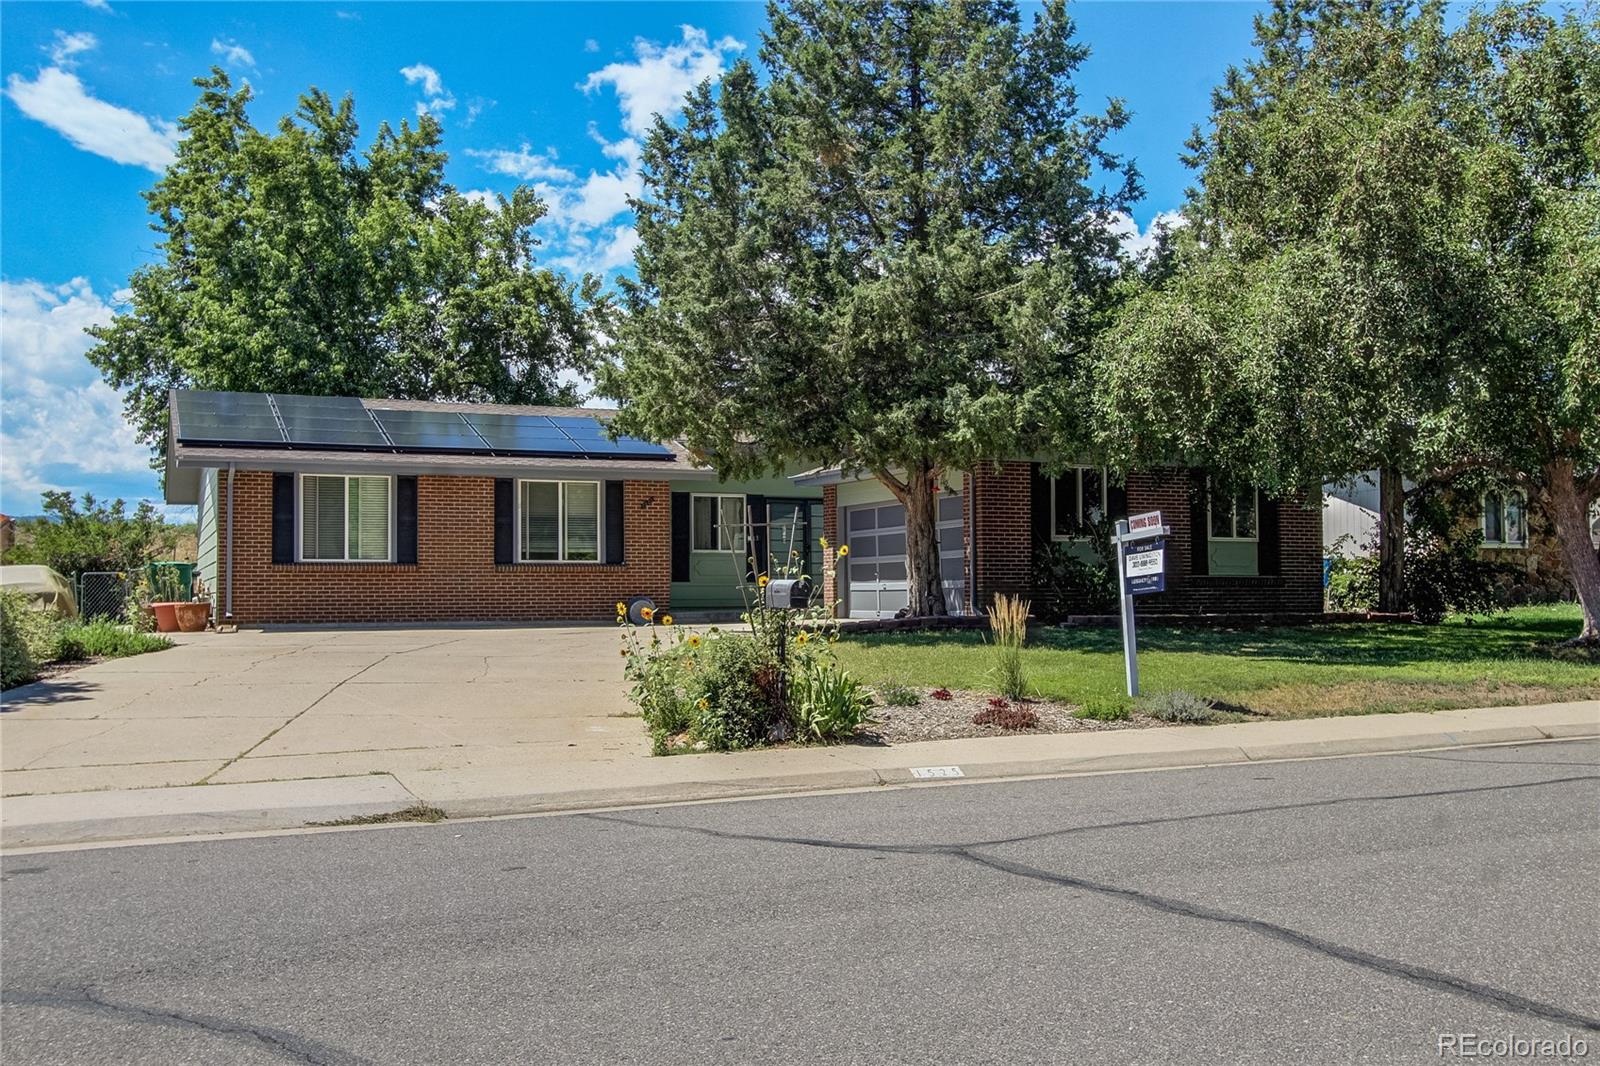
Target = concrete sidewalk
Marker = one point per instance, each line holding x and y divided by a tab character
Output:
563	780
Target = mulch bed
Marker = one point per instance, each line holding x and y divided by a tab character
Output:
951	719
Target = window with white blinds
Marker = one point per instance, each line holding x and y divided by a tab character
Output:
558	521
344	518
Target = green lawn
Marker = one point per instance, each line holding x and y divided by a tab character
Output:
1285	672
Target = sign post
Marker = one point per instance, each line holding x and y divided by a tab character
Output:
1140	545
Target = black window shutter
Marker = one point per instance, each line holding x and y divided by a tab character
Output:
756	505
1116	499
282	518
504	509
680	536
1269	552
1199	523
405	521
614	522
1043	520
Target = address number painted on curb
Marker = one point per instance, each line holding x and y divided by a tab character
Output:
925	772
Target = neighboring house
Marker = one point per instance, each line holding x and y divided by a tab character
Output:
330	509
1515	534
1235	554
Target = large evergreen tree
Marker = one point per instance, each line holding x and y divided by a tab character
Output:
291	261
888	255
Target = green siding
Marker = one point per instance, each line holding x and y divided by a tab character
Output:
716	579
1233	557
206	531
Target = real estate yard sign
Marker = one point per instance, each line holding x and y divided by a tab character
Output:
1144	566
1141	568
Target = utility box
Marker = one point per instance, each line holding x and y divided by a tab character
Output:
789	595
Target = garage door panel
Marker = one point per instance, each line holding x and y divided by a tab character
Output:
877	575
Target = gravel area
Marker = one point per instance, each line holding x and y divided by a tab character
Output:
933	719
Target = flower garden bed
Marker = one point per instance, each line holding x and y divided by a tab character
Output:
952	719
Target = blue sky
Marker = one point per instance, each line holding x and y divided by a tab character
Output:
554	95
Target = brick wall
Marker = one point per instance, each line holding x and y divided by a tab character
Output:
1297	588
1003	562
455	577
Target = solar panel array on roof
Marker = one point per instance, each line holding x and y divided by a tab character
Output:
344	423
227	418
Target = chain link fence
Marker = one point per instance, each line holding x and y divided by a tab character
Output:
101	594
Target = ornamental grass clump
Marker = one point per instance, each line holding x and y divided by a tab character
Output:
1008	621
1183	708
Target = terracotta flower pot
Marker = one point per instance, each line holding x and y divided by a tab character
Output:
192	616
166	616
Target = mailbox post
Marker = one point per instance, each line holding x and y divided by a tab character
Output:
786	596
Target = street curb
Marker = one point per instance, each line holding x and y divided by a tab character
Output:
385	794
1194	758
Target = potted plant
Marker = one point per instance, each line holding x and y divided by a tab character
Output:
193	616
164	601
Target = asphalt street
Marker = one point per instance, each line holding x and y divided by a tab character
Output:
1344	910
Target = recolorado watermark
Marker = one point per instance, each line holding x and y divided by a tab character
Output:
1481	1046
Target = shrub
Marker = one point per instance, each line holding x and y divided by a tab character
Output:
1007	716
17	665
1008	620
1443	573
107	639
40	630
826	702
1064	582
1100	710
730	691
898	694
1179	706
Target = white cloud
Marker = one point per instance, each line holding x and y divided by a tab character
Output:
60	416
591	45
98	5
232	53
67	46
59	100
656	81
436	97
601	253
1137	245
524	164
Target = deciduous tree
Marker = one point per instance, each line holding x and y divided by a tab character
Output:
293	261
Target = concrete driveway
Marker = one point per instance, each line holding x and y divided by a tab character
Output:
271	705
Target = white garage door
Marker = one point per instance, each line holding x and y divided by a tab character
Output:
875	579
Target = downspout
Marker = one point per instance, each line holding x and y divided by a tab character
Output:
227	599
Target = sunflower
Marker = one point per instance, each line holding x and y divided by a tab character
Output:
704	704
647	613
694	640
802	637
824	541
622	608
761	582
666	619
844	550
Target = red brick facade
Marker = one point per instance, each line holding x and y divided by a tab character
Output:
455	576
1001	497
830	530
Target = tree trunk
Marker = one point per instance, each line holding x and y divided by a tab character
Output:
918	493
1566	508
1391	540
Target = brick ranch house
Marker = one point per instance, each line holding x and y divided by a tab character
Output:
335	509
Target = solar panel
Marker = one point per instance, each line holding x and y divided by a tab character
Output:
343	422
432	431
226	418
329	422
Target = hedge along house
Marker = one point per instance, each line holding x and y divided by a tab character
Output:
335	509
1228	554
